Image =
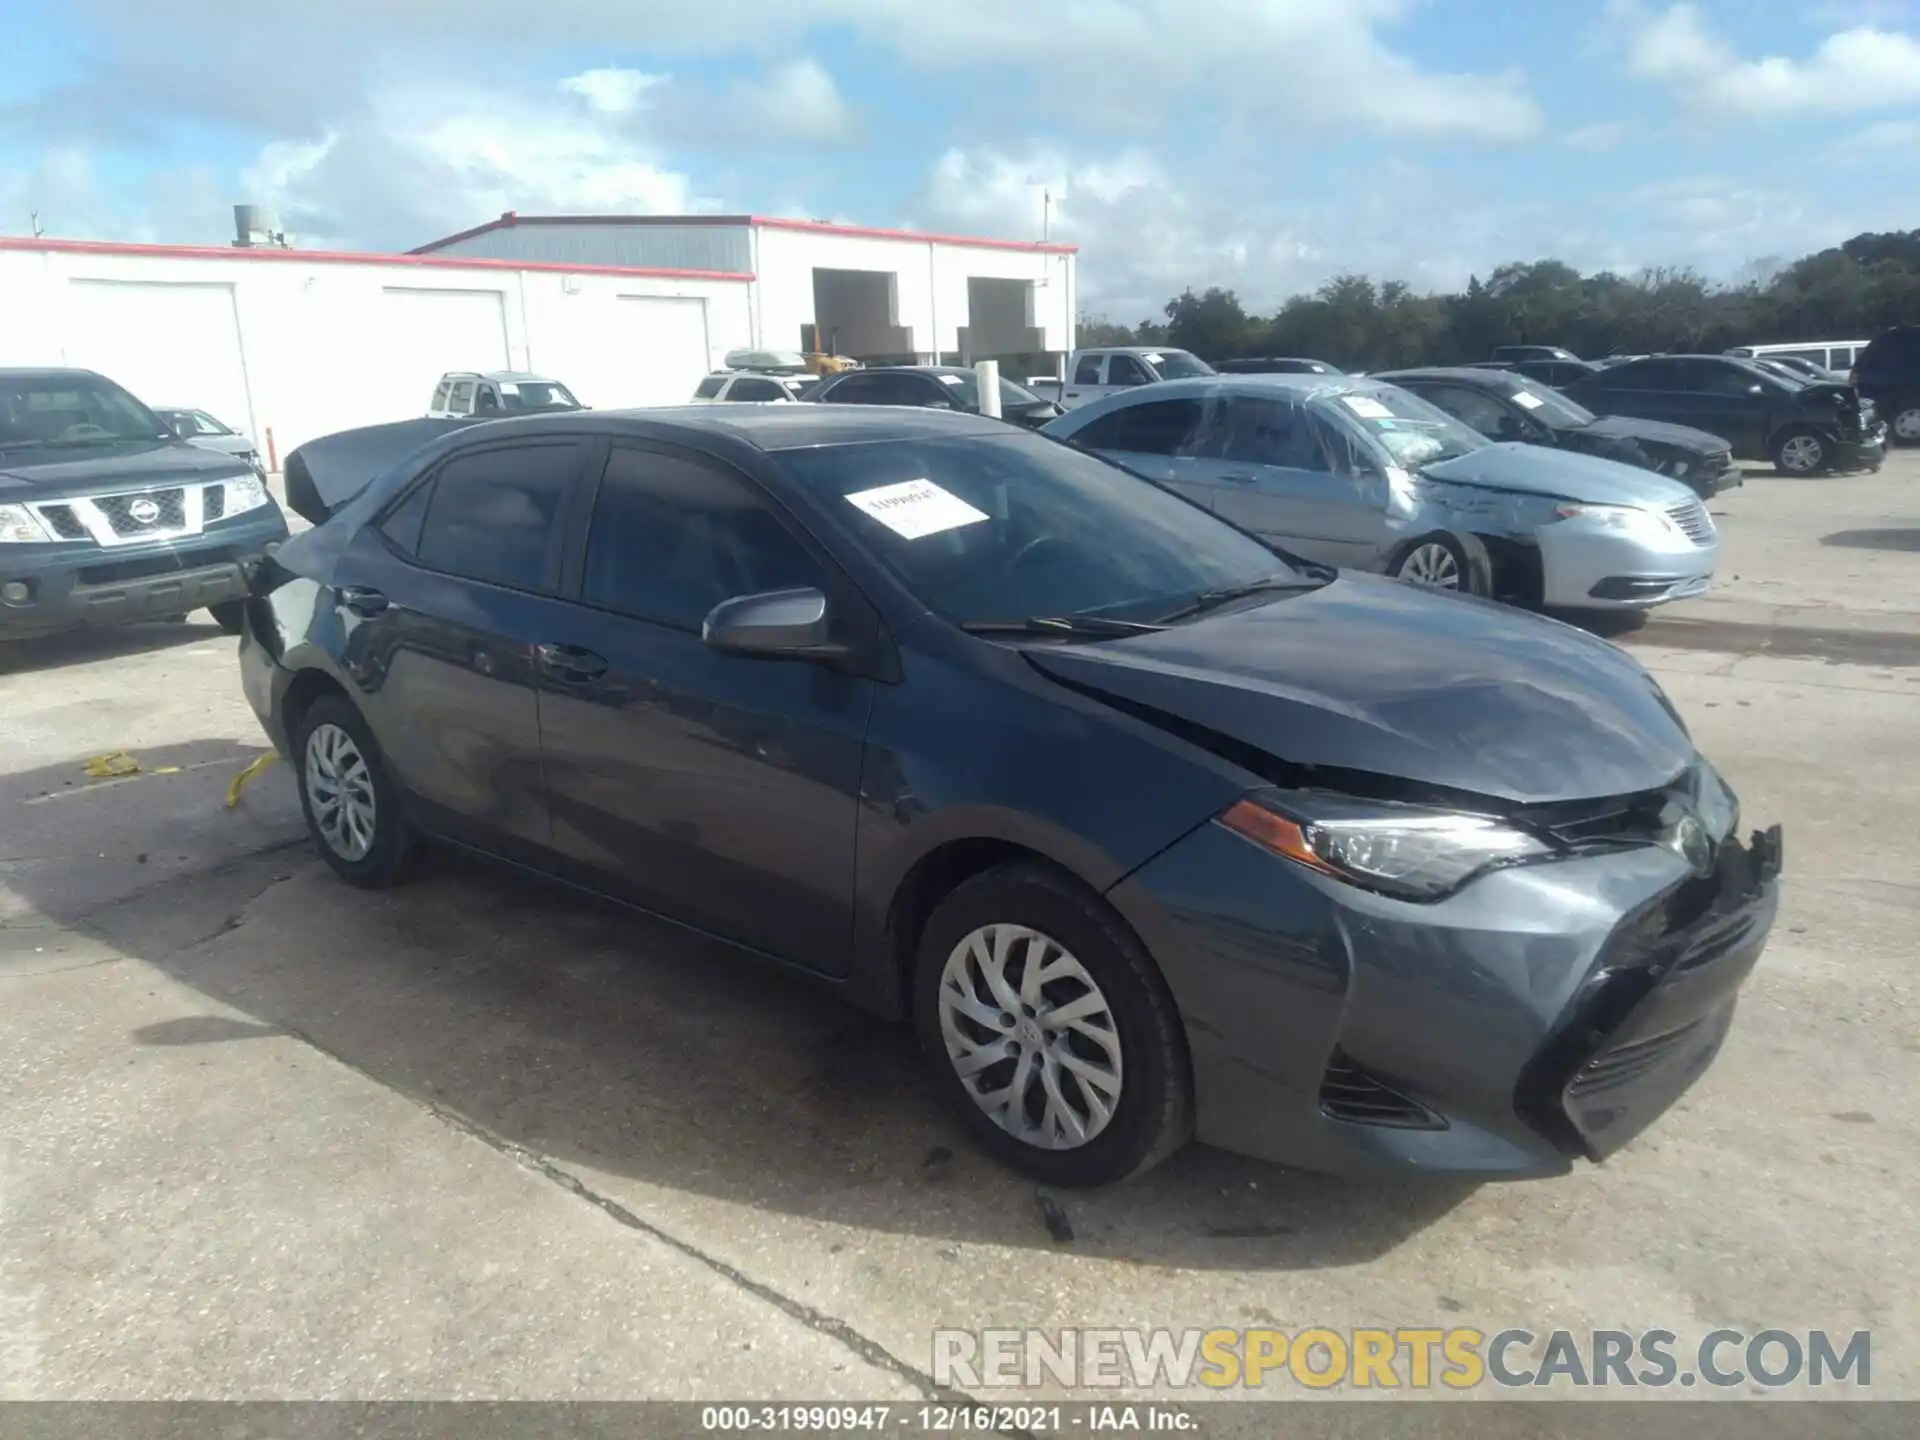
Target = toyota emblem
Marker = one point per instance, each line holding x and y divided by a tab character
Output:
144	510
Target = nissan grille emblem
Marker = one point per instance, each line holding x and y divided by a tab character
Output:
1688	839
144	510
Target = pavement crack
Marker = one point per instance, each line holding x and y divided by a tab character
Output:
869	1350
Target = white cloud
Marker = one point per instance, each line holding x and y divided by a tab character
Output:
1860	68
1604	135
1888	136
427	160
796	100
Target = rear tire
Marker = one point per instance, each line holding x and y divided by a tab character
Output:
351	805
228	615
1090	1101
1904	426
1802	452
1445	561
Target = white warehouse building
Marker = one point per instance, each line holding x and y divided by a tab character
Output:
288	344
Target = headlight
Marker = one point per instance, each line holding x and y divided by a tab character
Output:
20	526
249	492
1715	802
1629	518
1407	851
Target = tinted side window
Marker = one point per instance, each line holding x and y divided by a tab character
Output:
855	390
904	390
672	538
495	514
1125	370
1087	372
1163	427
1705	377
402	525
1646	375
709	387
1269	432
1473	408
487	402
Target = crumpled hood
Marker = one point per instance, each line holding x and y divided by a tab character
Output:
1565	474
328	471
1379	676
1681	437
40	474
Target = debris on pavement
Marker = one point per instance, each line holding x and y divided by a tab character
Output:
240	780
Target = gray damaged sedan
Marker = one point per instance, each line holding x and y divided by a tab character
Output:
1361	474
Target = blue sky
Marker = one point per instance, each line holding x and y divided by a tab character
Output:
1261	144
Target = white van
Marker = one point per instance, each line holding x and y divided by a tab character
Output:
1829	354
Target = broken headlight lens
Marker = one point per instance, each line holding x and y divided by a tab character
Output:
1407	851
20	526
1715	802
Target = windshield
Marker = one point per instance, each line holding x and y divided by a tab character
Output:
1550	406
966	386
1001	528
1412	431
520	396
72	410
1179	365
193	422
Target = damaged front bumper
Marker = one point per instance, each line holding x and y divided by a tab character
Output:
1543	1014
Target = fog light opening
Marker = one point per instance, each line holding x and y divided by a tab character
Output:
16	592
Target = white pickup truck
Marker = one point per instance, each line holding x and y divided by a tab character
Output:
1092	374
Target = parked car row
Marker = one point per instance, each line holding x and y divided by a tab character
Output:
1091	777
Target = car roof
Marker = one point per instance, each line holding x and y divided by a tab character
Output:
1300	386
769	428
48	372
513	375
1485	379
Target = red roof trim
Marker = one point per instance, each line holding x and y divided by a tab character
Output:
766	222
867	232
348	257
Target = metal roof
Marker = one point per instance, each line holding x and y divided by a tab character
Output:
512	219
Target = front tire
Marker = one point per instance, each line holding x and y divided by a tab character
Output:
1802	452
228	615
350	803
1049	1029
1442	561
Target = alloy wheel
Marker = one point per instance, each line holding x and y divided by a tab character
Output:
340	792
1030	1036
1906	425
1802	454
1432	564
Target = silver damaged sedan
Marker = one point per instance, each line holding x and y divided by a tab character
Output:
1361	474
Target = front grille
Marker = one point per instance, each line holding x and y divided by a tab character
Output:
1694	521
169	511
63	522
213	502
1350	1093
1624	1064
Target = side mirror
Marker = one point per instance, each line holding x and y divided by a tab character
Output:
776	624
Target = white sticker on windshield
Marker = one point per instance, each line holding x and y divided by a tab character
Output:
1154	359
507	387
951	380
915	508
1366	407
1532	402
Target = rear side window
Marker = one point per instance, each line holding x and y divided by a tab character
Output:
440	395
671	538
756	390
462	401
709	387
402	525
1161	427
494	515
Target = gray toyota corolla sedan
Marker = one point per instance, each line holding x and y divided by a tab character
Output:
1362	474
1152	829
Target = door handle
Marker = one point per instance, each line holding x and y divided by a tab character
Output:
1240	479
363	600
1073	394
570	664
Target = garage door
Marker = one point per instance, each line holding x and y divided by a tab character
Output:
170	344
420	334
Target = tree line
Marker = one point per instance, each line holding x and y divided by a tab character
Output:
1849	292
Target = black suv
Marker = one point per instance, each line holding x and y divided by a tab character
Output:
107	516
1805	429
1887	372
